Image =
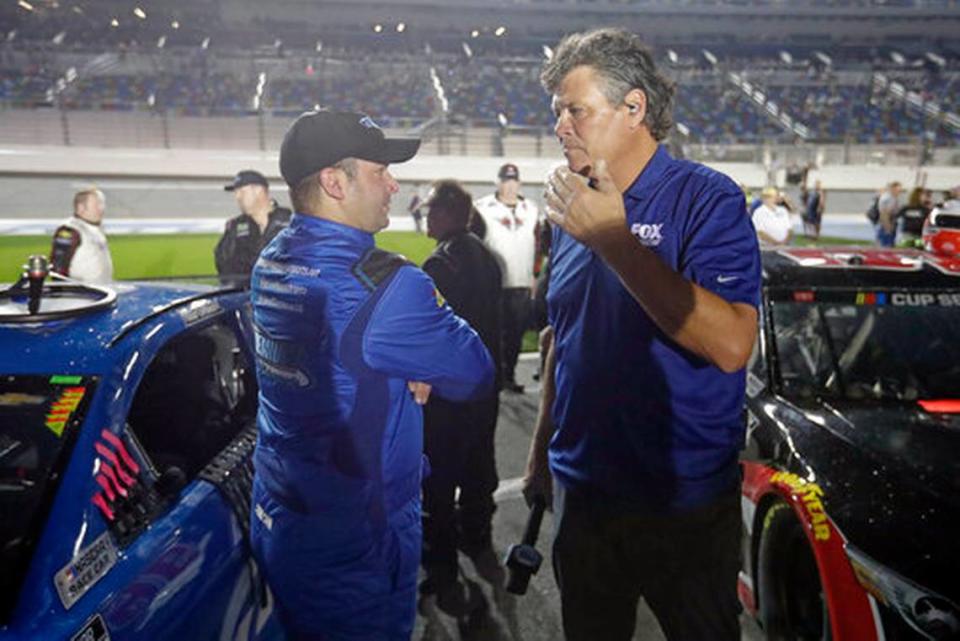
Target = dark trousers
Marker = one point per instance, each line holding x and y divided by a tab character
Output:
685	566
458	441
514	319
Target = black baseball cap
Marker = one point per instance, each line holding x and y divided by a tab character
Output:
509	171
247	177
319	139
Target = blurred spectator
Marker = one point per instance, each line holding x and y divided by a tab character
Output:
813	207
772	220
911	216
888	206
415	207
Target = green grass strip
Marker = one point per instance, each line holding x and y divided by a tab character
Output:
169	255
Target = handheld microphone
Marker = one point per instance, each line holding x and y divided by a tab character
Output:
523	560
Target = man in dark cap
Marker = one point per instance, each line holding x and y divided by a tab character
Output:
350	343
510	221
260	219
458	437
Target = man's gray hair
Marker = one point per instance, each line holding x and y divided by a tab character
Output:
307	194
623	63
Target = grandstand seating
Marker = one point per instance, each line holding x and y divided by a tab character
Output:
494	84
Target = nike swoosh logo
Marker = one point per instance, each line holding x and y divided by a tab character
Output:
726	279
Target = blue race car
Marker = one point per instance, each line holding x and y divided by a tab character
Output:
127	421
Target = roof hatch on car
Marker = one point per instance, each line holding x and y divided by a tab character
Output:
42	295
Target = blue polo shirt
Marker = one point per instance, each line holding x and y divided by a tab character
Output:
639	418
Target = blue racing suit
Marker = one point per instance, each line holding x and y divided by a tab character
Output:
341	327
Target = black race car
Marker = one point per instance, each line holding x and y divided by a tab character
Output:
851	494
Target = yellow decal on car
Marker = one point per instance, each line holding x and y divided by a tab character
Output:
809	495
63	408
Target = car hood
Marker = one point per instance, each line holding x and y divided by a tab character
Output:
891	480
922	449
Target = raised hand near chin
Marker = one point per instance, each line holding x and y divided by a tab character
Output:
591	214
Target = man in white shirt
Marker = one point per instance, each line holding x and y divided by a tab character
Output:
80	248
510	221
772	221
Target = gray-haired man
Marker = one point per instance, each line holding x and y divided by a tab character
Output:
654	287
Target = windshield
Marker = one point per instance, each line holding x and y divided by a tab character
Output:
39	418
868	346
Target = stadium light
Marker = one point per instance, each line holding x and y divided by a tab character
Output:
25	5
11	35
823	58
438	90
786	57
401	27
547	52
58	39
258	93
377	28
712	59
77	9
114	23
140	13
152	99
205	44
475	33
940	61
175	24
502	119
500	31
898	58
467	51
319	46
162	40
683	129
672	56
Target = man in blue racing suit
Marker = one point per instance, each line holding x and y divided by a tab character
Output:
350	342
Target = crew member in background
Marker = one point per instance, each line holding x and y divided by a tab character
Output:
259	220
772	220
458	501
80	248
510	221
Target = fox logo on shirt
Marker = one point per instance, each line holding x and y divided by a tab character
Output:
650	234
